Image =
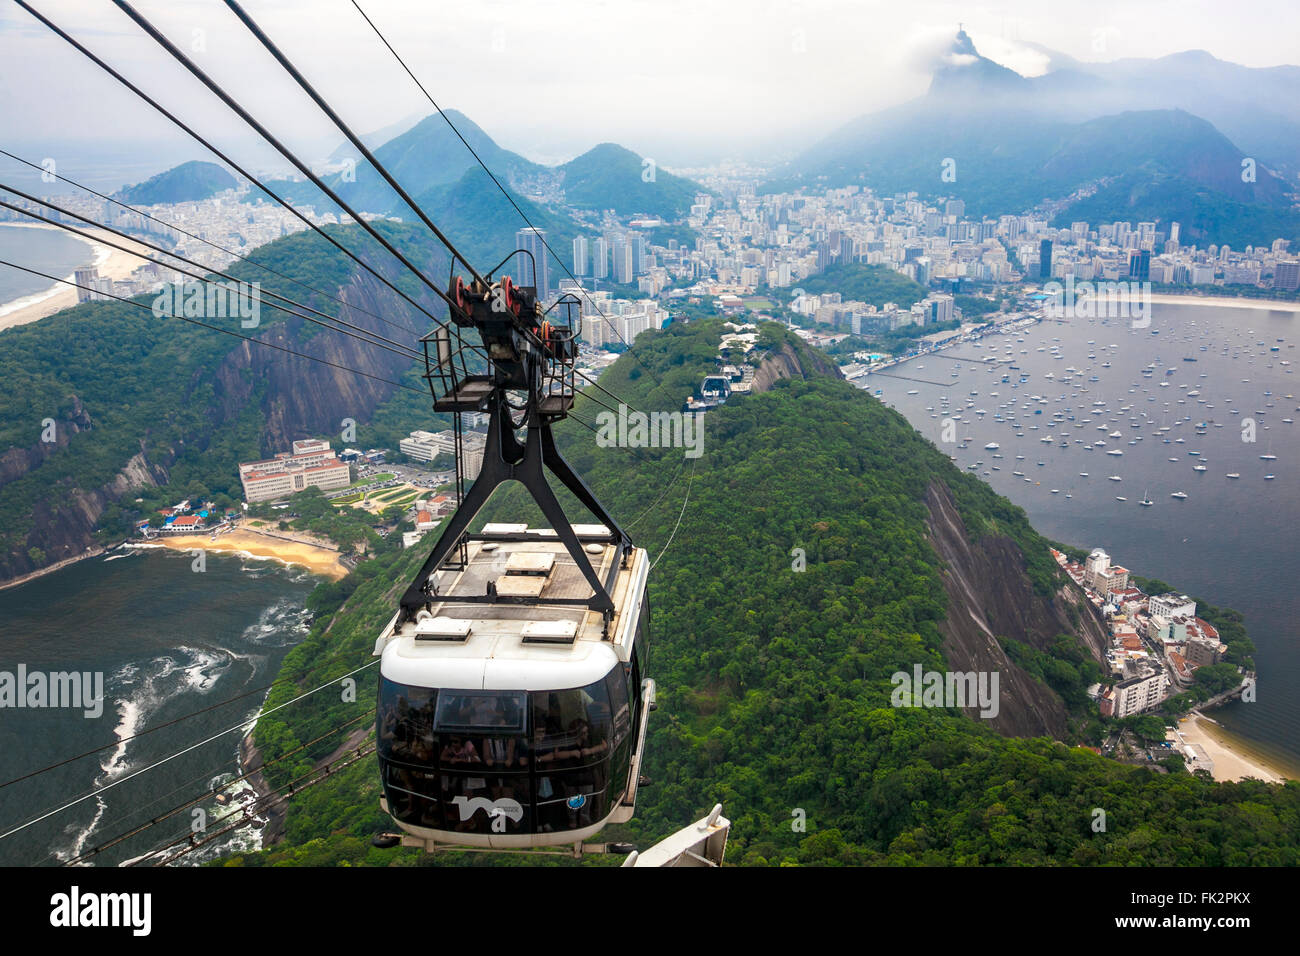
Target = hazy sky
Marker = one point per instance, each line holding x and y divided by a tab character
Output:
679	81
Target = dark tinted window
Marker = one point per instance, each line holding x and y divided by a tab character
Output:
405	722
467	710
505	762
616	683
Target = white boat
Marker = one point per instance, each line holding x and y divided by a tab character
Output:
1115	478
1180	495
1233	474
992	446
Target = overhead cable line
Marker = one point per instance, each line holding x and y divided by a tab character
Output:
662	495
215	245
210	793
366	336
309	779
685	500
343	127
504	191
179	56
176	720
59	31
214	328
158	763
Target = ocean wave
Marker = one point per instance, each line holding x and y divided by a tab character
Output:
80	836
281	624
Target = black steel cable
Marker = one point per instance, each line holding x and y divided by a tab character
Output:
179	56
214	328
319	665
158	763
212	792
378	340
290	789
80	48
215	245
662	495
504	191
328	110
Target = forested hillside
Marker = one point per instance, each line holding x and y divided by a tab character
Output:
775	692
135	402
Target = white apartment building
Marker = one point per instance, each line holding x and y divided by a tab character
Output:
1136	694
311	464
426	446
1168	606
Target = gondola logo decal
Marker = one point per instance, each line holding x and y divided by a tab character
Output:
577	801
497	810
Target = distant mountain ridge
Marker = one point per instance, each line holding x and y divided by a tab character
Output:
1009	142
446	181
188	182
609	176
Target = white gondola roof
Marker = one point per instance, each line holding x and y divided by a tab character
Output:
507	645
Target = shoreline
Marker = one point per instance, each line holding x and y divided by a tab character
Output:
51	568
253	544
111	263
1233	756
1226	302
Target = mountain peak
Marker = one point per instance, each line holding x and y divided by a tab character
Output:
962	44
963	72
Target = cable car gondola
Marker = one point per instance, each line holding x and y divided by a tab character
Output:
513	696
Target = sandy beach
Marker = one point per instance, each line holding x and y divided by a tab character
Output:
314	558
110	262
1226	301
1231	762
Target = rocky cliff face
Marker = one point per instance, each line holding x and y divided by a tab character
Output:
789	362
990	598
303	398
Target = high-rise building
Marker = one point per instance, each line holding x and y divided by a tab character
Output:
533	242
941	308
1136	694
624	261
1044	259
1286	275
580	256
1139	265
600	258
